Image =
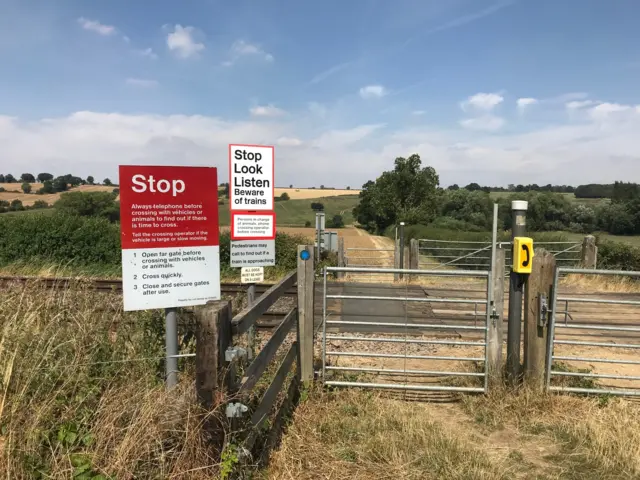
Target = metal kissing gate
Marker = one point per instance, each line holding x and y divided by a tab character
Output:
577	328
406	339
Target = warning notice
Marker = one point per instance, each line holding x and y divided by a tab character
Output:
251	253
251	177
253	226
170	237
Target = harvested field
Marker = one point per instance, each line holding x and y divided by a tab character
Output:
30	198
306	193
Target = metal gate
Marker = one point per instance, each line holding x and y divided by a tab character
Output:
418	337
594	340
477	254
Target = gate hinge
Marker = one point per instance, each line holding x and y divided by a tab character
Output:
235	410
234	353
543	308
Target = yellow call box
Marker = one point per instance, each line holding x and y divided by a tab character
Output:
522	254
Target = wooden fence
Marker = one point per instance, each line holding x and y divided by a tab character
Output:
219	359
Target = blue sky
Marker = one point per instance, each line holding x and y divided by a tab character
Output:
484	90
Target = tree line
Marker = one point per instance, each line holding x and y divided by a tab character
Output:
50	184
411	193
533	187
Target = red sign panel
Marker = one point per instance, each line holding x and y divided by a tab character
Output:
168	206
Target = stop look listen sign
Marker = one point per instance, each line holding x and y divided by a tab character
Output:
170	236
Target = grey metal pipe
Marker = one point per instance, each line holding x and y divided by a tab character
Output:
596	375
404	299
597	344
171	346
405	386
405	340
324	322
599	272
599	300
401	252
516	289
579	326
413	325
630	393
439	273
409	357
413	372
598	360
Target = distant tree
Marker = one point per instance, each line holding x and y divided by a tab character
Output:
90	180
625	191
453	187
40	204
115	192
594	190
60	184
47	187
291	186
472	187
348	187
321	187
224	191
28	177
284	196
26	187
2	180
337	221
107	182
8	178
16	205
307	223
317	206
89	204
43	177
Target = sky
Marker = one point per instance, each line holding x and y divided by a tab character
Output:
487	91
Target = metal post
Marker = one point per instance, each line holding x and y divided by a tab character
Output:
401	263
516	289
494	239
251	334
171	346
319	229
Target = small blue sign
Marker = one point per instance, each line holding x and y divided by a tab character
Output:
304	255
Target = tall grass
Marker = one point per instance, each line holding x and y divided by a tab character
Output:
82	394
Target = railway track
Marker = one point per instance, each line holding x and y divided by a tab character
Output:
108	285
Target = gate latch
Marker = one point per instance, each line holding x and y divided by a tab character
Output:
543	308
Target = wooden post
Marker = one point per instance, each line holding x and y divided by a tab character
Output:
535	335
396	260
414	256
495	333
213	337
589	253
340	256
306	277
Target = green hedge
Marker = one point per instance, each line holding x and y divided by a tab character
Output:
71	240
618	256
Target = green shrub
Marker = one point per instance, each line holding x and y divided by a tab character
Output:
89	204
618	256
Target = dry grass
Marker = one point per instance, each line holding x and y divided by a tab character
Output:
30	198
81	392
360	435
602	283
598	437
306	193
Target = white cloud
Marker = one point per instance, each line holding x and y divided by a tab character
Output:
373	91
97	27
241	48
418	112
181	41
567	97
146	52
578	104
606	110
482	101
266	111
329	71
141	82
488	123
525	102
289	142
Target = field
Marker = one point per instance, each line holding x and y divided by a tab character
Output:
15	193
307	193
298	212
570	196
